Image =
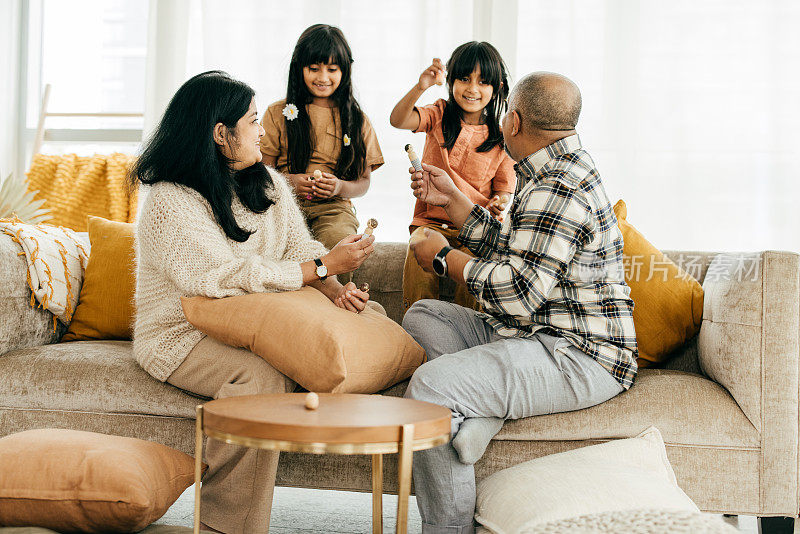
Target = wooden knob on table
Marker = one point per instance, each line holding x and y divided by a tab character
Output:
312	401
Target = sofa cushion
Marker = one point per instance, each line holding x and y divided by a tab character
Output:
668	301
105	308
662	398
90	376
386	285
75	481
341	351
685	407
619	475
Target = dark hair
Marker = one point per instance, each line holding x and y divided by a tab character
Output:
182	149
324	44
461	64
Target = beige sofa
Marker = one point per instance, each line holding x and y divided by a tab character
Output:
727	407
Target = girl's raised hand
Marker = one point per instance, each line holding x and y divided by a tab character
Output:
326	187
432	75
498	204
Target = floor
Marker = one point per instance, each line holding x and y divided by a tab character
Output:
303	511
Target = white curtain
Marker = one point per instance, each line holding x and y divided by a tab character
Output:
690	110
9	95
690	107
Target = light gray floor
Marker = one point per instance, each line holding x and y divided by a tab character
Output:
304	511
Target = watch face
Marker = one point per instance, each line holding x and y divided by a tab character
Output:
322	271
438	266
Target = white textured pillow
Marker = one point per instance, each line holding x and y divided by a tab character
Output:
624	474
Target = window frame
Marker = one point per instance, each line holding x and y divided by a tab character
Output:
30	14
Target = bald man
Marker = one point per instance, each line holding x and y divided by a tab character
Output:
557	333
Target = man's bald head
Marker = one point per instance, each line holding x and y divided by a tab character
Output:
546	101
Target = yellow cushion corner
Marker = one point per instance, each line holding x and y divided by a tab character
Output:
668	301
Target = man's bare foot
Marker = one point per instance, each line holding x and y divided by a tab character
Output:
205	527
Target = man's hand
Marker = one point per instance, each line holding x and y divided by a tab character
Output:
427	246
433	185
326	187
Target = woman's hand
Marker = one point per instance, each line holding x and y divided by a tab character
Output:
348	254
328	186
302	184
432	75
351	298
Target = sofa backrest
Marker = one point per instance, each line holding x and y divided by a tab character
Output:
20	324
24	326
383	271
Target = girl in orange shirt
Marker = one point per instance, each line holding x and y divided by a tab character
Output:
463	137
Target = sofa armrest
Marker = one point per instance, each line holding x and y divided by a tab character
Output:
750	344
21	325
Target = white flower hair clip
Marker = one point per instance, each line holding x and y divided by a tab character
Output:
346	139
290	112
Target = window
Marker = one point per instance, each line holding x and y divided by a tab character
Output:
92	54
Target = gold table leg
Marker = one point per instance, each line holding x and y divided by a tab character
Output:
198	466
377	494
404	477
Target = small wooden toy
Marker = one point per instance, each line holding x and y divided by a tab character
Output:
413	158
312	401
371	225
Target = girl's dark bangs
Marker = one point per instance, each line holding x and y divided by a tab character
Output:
465	63
324	49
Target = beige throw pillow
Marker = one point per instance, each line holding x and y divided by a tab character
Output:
73	481
309	339
624	474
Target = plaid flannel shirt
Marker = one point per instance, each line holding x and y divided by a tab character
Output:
556	261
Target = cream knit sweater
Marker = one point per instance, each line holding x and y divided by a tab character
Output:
182	251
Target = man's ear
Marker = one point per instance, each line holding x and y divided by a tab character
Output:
219	133
516	123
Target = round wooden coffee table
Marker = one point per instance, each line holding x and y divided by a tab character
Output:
342	424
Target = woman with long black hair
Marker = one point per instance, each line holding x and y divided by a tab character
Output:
218	223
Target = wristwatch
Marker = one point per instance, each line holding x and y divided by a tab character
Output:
439	263
322	271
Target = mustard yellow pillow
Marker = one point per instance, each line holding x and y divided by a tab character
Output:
668	301
305	336
105	306
74	481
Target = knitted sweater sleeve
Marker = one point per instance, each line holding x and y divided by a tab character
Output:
183	240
